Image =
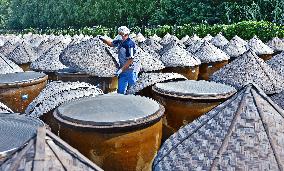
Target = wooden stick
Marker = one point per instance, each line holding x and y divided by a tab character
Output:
40	149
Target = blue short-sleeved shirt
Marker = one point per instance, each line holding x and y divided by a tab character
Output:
126	50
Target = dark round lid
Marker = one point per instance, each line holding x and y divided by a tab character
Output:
195	89
69	72
109	111
15	130
20	77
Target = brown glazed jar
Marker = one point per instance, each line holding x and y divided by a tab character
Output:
18	90
186	100
116	132
25	66
207	69
266	57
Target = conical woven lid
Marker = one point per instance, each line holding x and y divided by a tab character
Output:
7	66
208	53
169	46
219	40
46	151
191	40
7	48
2	40
250	68
90	57
49	60
184	39
150	49
147	61
178	57
56	93
22	54
277	63
245	132
239	40
279	99
35	41
156	38
236	47
168	38
258	46
194	45
45	45
153	44
208	37
140	38
276	44
132	36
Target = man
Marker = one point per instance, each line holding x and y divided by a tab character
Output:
128	66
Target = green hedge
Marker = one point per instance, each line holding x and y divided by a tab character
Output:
247	29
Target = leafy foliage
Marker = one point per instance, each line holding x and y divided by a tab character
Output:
246	29
20	14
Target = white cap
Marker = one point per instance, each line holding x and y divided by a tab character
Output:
124	30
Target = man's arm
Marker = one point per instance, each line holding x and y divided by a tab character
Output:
127	64
108	42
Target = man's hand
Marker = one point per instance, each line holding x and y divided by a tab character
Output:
106	41
118	72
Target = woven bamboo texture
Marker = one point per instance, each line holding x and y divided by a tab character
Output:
45	151
244	133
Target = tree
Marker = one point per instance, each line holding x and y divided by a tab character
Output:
4	12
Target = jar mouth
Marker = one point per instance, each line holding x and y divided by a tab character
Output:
190	89
112	127
194	97
22	79
94	119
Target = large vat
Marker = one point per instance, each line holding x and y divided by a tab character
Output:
207	69
25	66
117	132
185	101
266	57
17	90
